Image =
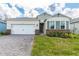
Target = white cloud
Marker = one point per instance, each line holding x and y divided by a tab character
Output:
55	1
60	5
30	3
10	12
73	13
32	14
37	3
66	11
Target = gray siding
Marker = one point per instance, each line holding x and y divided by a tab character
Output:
75	28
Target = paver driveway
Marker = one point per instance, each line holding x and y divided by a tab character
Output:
16	45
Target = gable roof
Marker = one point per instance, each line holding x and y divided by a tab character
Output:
59	14
55	15
44	14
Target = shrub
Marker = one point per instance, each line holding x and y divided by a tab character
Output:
74	36
58	34
2	33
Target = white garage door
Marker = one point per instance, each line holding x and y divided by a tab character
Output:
23	29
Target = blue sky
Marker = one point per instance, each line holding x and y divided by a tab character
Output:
72	5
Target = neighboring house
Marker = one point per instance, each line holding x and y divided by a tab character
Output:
40	25
75	25
2	26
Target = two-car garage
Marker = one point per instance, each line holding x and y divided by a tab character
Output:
23	29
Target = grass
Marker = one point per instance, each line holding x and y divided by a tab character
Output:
55	46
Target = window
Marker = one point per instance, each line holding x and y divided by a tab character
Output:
67	24
62	24
50	24
57	24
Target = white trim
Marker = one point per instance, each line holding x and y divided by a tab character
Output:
69	24
65	25
60	25
45	24
55	24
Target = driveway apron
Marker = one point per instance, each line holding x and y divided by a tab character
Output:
16	45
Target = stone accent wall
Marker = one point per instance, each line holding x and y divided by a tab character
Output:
37	32
67	31
8	31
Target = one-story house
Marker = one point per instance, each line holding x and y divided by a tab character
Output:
74	25
2	26
41	24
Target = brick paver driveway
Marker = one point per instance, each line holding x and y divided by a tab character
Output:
16	45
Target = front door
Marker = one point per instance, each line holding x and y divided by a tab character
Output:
41	27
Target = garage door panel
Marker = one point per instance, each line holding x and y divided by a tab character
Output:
23	29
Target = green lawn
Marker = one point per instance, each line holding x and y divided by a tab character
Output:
55	46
